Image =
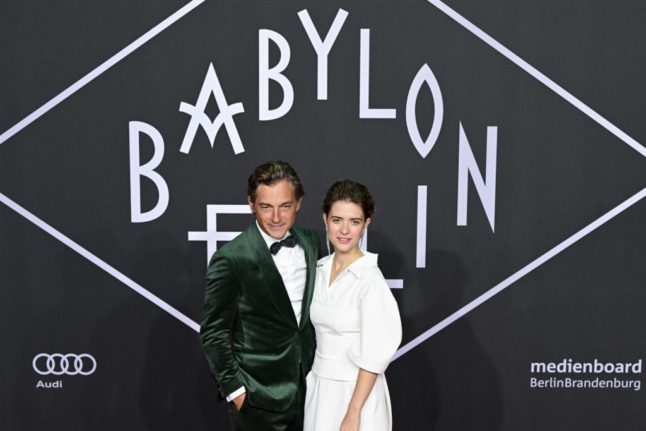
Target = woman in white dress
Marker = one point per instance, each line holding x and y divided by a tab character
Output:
357	323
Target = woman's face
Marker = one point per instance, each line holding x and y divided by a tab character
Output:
345	223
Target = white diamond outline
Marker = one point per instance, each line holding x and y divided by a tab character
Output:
569	97
453	317
99	262
535	73
545	257
99	70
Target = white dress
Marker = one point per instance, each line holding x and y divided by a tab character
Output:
357	325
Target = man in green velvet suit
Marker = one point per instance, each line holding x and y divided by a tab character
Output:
256	329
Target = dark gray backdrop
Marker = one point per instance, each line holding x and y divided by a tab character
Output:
559	168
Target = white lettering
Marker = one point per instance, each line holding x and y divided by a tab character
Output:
147	170
58	384
420	255
322	47
424	75
396	283
486	188
211	236
199	117
265	73
364	82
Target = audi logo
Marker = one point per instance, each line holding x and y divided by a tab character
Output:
58	364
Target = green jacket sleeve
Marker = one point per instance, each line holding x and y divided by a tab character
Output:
220	308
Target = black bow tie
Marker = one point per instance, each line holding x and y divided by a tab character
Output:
290	242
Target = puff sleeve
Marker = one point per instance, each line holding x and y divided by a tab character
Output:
380	325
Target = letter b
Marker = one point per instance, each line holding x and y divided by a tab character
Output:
265	73
147	170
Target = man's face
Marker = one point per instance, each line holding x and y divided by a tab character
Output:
275	208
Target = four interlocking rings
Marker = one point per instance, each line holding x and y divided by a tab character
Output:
58	364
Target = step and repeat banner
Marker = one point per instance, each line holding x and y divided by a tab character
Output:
501	141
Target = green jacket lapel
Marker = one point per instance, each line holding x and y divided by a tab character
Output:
270	279
311	256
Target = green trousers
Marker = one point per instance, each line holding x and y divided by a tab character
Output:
251	418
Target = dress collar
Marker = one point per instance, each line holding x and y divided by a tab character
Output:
358	267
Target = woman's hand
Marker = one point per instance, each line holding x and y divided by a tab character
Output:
365	382
351	421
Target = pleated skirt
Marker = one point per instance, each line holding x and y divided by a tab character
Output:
326	403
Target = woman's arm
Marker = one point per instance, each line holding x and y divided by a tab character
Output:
381	333
365	382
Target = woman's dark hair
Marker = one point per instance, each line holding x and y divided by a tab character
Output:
270	173
350	191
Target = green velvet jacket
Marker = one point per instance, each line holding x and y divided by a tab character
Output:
249	331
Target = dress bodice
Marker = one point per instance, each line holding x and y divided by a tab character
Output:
355	318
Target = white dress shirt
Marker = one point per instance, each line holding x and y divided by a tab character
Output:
292	267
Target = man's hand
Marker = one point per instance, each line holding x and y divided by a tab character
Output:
238	401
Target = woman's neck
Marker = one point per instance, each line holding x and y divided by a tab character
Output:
342	261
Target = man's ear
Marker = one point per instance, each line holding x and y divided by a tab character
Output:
250	202
298	204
